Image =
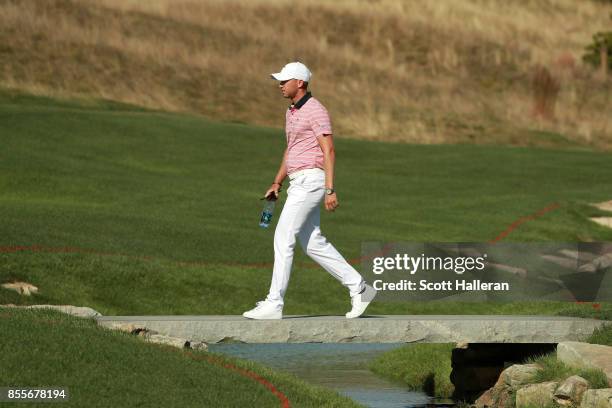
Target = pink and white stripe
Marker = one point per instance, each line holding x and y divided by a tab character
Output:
303	126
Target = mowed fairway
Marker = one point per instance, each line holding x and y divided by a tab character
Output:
141	212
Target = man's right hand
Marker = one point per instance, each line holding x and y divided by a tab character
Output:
274	189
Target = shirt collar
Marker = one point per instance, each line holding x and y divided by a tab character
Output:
301	102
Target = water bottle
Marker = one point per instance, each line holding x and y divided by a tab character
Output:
266	214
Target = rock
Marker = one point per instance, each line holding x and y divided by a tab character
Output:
601	398
175	342
569	392
79	311
138	329
198	345
485	400
536	395
23	288
519	374
597	264
500	396
584	355
154	337
170	341
478	367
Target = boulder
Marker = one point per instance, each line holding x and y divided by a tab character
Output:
175	342
198	345
584	355
569	392
536	395
500	396
519	374
597	264
152	336
601	398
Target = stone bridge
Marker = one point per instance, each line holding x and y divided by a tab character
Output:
367	329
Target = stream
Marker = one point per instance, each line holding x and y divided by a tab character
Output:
339	366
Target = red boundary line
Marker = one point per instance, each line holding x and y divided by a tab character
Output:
523	220
284	401
531	217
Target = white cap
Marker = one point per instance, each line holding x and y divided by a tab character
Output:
293	70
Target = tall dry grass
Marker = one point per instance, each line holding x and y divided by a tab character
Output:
419	71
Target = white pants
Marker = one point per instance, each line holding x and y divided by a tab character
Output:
301	217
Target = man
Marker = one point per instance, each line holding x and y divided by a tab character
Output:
309	162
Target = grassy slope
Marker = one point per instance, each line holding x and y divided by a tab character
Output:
431	72
179	188
105	368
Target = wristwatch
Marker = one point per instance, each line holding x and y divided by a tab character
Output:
329	191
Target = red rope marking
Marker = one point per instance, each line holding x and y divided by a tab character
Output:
523	220
245	373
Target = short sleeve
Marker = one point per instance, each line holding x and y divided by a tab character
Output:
320	122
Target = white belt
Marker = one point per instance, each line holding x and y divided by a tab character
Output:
305	171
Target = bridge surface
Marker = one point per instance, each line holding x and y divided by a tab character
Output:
367	329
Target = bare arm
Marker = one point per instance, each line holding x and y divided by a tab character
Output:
329	159
280	176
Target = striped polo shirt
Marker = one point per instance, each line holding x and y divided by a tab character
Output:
305	120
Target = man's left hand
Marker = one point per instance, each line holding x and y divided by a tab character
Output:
331	202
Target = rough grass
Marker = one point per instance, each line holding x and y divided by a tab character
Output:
555	370
602	335
420	71
423	367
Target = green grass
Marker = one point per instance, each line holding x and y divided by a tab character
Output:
164	210
146	192
108	368
555	370
424	367
602	335
427	367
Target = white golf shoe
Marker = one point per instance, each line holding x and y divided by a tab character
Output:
265	311
361	301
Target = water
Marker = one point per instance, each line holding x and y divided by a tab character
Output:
342	367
